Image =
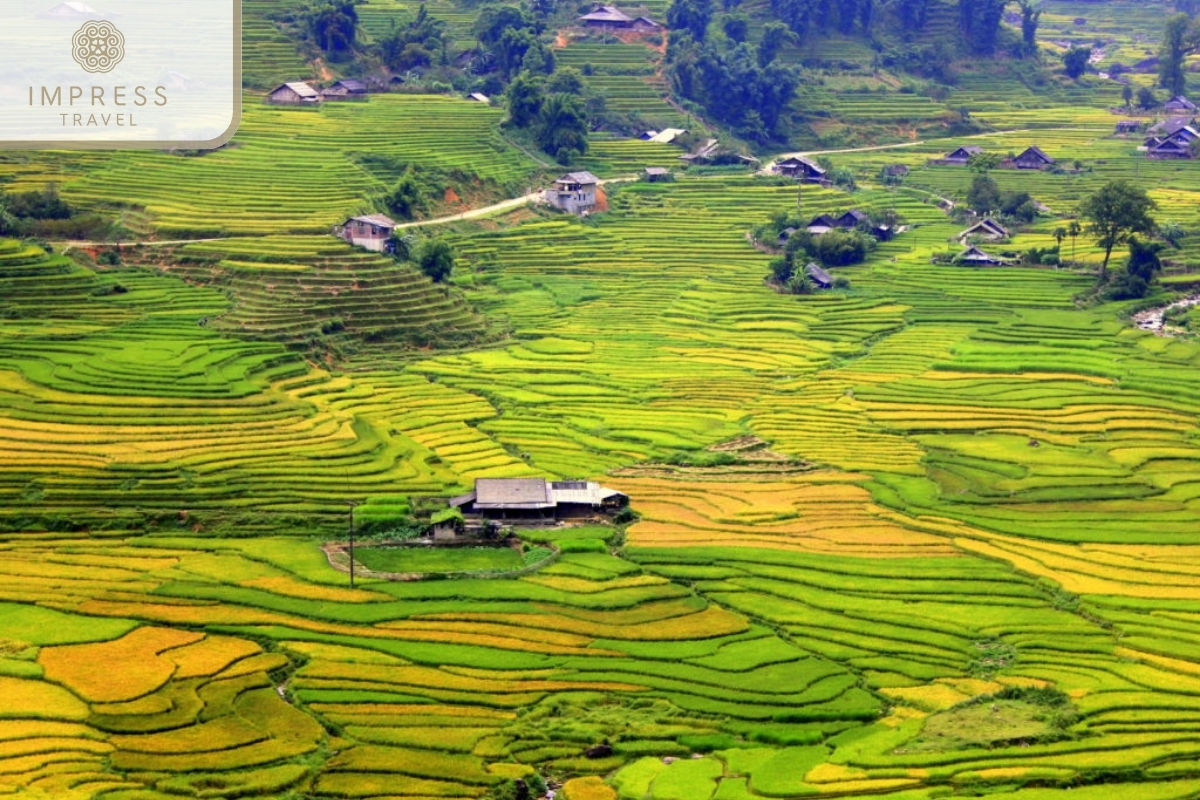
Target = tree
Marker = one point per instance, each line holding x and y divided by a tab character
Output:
1115	212
407	198
1075	61
1179	39
1143	259
690	15
1146	99
1172	231
436	259
980	20
1031	14
913	14
1060	233
1127	95
735	26
525	96
333	25
1073	230
775	35
563	127
983	163
566	80
984	194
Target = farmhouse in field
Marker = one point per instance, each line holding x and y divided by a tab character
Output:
372	231
480	97
1174	141
293	94
960	156
1032	158
986	228
656	174
574	193
345	89
821	223
1179	105
538	499
802	169
820	278
975	257
612	18
665	136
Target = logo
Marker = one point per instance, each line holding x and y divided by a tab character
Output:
98	46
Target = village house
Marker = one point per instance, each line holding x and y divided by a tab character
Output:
372	232
784	235
293	94
345	89
975	257
1179	105
538	500
612	18
574	193
656	174
820	278
802	169
821	223
480	97
1031	158
1174	140
987	228
665	136
960	156
852	219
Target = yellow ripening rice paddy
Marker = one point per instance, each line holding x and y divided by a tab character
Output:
819	512
87	669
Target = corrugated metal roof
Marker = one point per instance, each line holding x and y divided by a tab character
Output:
382	220
583	177
514	493
302	89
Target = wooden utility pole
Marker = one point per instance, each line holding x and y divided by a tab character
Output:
352	505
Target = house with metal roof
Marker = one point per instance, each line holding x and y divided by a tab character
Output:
372	231
575	193
975	257
802	169
537	499
1031	158
986	228
295	93
345	89
820	278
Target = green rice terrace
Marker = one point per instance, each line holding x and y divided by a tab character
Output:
931	534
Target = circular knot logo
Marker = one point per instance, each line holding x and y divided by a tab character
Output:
98	46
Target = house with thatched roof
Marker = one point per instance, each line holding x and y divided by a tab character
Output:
975	257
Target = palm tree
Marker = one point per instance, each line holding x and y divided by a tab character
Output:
1060	233
1073	230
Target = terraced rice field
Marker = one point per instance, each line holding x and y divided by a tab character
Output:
969	567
